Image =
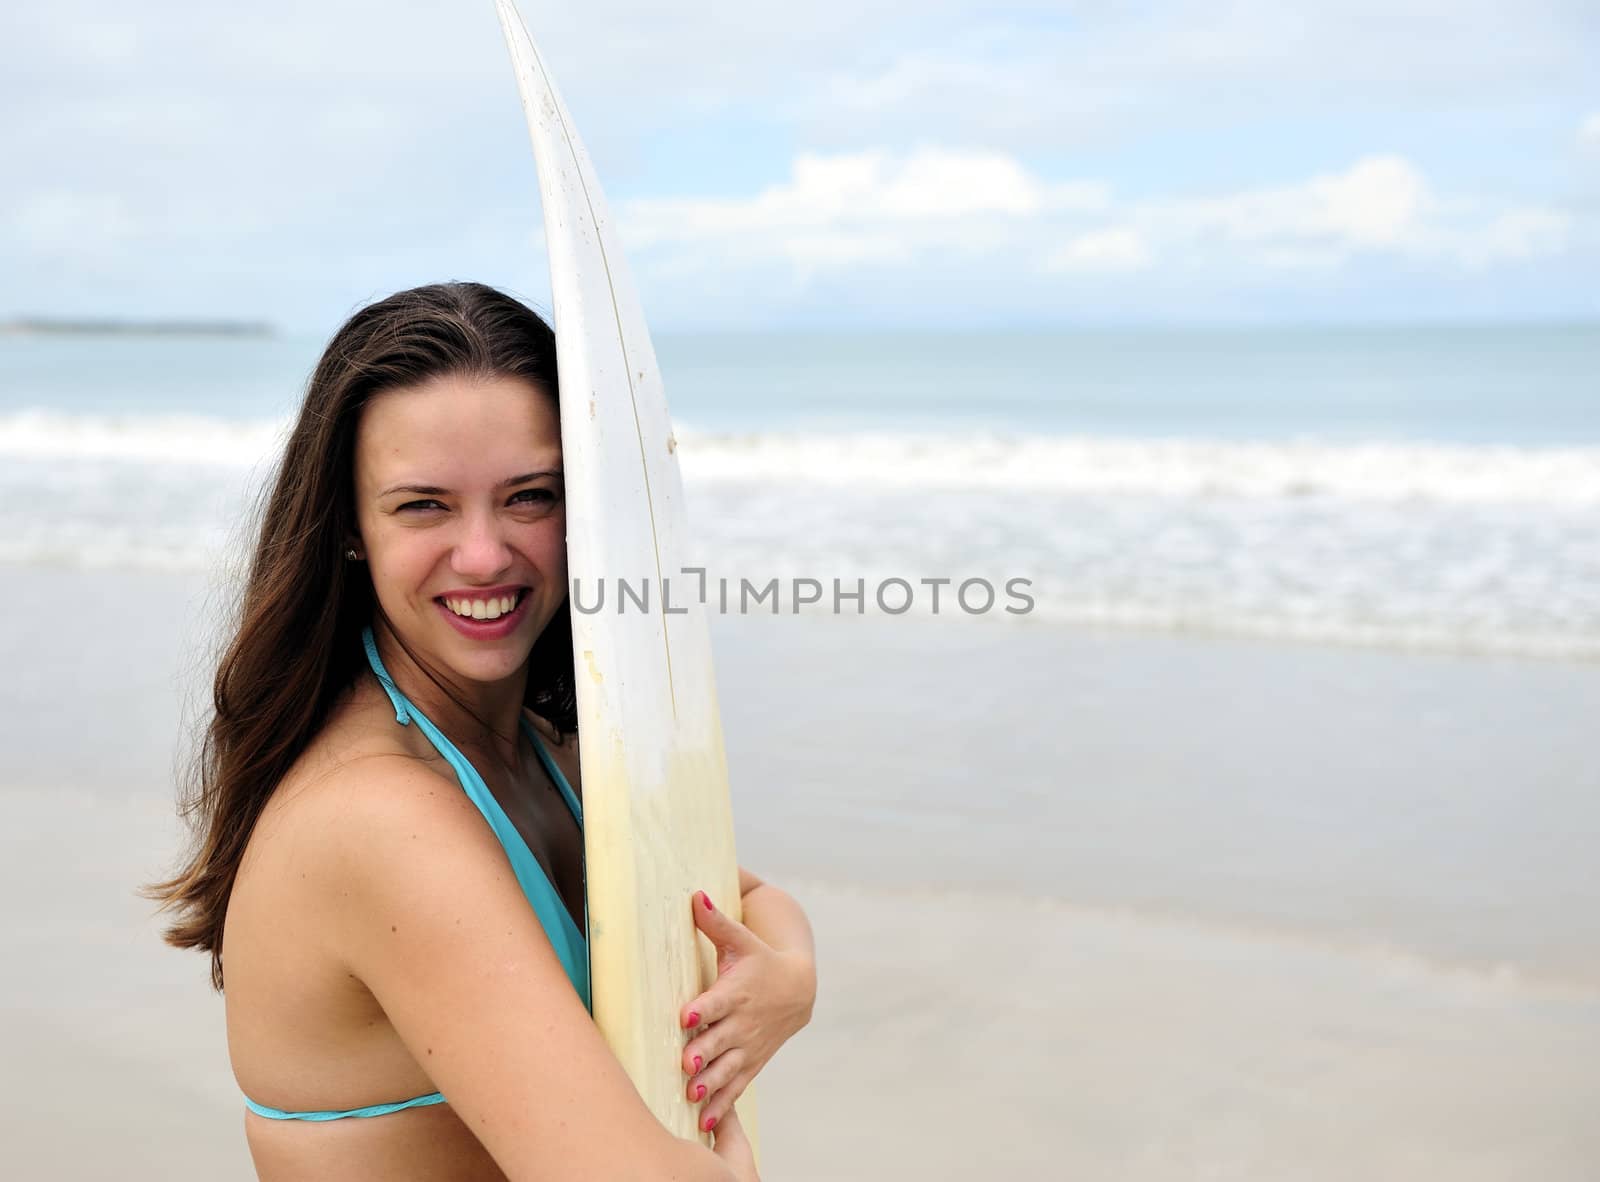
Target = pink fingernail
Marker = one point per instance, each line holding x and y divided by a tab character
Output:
706	899
694	1017
697	1064
700	1092
711	1123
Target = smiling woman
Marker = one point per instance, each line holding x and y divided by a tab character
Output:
389	802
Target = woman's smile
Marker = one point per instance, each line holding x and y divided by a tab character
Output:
488	614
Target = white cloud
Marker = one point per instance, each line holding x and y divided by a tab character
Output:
1115	249
865	208
866	187
1589	132
1300	258
1514	236
1380	205
876	208
1378	202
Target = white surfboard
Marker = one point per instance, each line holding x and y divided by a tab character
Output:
657	819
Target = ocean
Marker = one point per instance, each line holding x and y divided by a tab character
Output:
1429	487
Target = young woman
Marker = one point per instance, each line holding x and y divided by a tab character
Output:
389	802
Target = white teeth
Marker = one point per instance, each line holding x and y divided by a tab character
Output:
482	609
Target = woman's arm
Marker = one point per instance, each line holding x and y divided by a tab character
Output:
428	915
774	916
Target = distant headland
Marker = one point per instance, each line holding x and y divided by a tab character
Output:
60	326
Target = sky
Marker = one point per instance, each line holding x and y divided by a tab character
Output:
843	163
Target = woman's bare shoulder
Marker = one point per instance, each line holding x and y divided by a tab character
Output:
361	770
364	769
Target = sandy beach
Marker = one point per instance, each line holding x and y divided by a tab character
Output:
1067	925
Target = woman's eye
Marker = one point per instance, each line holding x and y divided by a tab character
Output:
421	506
534	496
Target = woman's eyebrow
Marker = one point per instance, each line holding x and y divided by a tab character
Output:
428	490
523	479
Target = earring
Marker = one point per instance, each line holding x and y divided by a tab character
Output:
351	554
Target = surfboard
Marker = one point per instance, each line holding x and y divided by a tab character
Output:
658	822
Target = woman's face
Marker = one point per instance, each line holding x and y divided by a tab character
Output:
460	505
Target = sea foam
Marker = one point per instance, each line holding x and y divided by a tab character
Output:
1168	467
1452	547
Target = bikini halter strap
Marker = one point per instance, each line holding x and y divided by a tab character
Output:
402	708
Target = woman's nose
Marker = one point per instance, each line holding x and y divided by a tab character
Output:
481	553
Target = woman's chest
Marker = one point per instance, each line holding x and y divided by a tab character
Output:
539	813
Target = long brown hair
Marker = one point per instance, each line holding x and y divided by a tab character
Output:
297	644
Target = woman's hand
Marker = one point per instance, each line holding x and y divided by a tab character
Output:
761	997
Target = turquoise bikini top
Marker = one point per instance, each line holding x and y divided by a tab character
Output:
557	922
